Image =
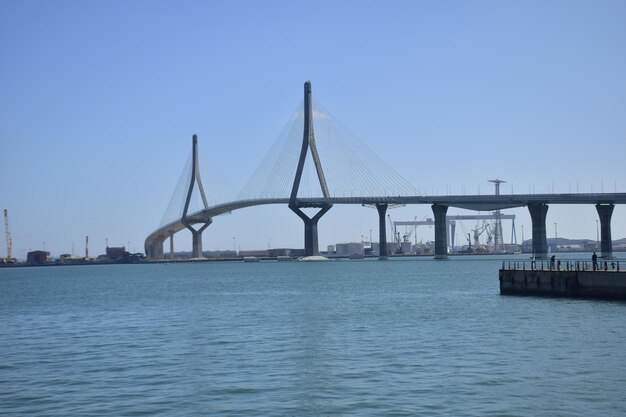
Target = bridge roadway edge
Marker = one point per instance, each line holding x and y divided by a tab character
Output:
468	202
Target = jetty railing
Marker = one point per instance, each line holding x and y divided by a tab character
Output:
561	265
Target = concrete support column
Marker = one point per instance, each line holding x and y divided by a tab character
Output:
156	250
382	231
171	245
441	241
311	245
196	248
538	214
605	211
196	236
311	242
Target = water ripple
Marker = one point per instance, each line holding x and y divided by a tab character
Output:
339	339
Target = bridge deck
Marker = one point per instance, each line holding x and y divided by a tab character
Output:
469	202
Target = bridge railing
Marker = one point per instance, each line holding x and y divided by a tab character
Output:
562	265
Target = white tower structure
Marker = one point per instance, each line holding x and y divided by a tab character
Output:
498	241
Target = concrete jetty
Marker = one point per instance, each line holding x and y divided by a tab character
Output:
580	279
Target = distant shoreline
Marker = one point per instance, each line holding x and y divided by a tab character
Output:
262	258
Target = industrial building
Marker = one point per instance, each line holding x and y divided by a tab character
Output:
37	257
349	249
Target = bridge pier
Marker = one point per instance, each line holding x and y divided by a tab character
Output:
311	245
605	211
441	241
538	214
171	245
382	231
196	238
155	251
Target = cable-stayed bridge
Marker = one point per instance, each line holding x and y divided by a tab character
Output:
316	163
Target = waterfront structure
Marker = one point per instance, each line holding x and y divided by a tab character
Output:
451	225
186	220
568	279
295	204
537	204
37	257
350	248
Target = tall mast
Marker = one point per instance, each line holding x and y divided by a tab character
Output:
8	235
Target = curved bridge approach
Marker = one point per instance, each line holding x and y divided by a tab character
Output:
537	204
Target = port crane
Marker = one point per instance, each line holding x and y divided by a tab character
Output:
406	236
485	227
392	229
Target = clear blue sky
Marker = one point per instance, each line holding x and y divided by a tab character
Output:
98	102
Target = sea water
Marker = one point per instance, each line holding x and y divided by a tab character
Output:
403	337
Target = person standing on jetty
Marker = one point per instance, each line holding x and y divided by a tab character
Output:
594	260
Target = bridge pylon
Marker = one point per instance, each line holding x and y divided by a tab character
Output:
188	220
311	246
